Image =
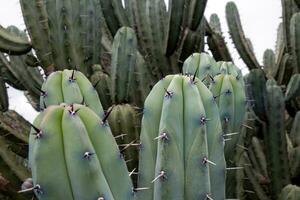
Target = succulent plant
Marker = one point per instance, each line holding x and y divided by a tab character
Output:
181	153
124	121
73	155
69	86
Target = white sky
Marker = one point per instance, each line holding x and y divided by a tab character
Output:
260	19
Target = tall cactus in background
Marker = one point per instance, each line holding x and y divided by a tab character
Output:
13	44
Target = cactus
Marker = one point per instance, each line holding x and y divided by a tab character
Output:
276	147
171	164
256	90
102	83
193	42
269	62
68	35
202	65
18	74
216	41
124	53
293	88
124	121
295	30
69	86
77	147
238	36
290	192
3	96
13	44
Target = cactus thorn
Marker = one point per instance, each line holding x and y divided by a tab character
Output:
249	191
106	115
226	119
36	187
234	168
127	145
195	74
227	139
249	127
162	174
120	136
163	136
95	85
140	189
38	133
203	120
228	92
72	111
44	104
87	155
242	147
132	172
209	197
169	93
205	161
211	78
43	93
72	78
231	134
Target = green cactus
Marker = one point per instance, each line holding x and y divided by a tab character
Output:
102	83
13	44
276	144
194	42
176	162
18	74
202	65
293	88
124	55
256	89
69	86
237	34
124	121
216	41
73	155
295	31
290	192
229	93
269	62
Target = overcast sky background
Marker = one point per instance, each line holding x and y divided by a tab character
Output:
260	19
